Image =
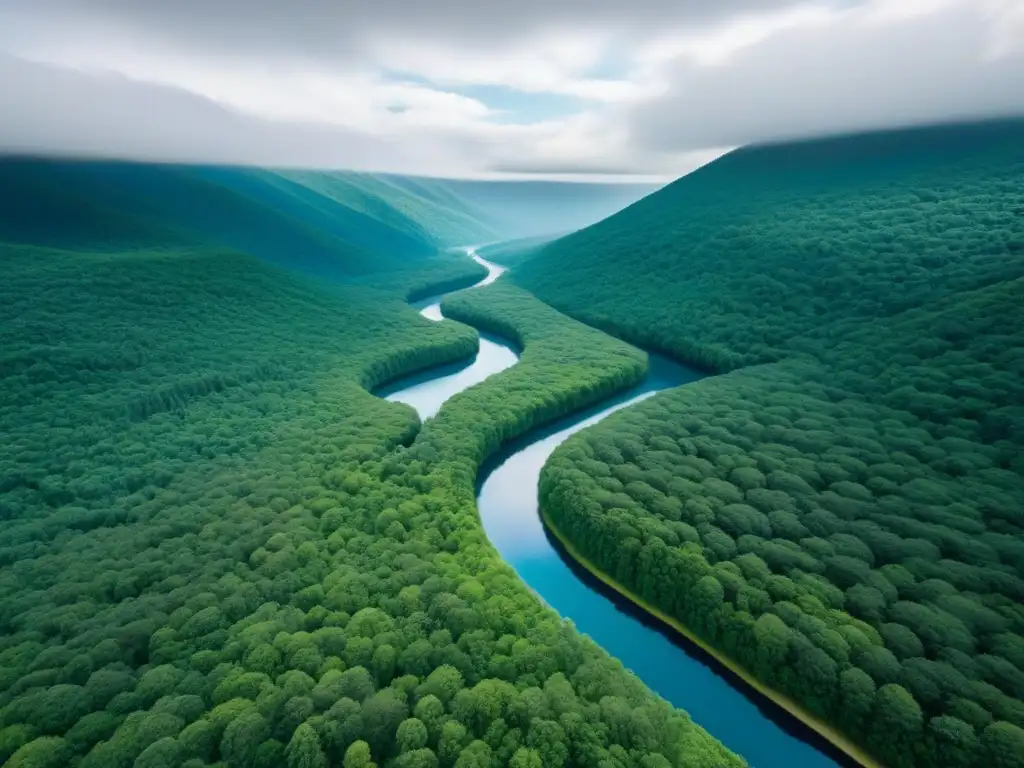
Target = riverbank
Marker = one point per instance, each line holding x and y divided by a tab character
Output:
840	742
684	675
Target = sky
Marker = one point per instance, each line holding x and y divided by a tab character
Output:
637	90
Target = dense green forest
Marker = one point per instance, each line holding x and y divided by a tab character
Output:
841	511
335	224
732	264
218	549
322	224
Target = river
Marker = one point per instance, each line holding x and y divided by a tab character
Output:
427	391
507	500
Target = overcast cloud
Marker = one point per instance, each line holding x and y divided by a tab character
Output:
534	88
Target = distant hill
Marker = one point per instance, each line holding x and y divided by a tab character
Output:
329	224
335	224
429	204
526	208
728	265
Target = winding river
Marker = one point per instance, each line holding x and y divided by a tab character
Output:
427	391
666	662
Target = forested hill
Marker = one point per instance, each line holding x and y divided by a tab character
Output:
840	513
215	551
328	224
727	265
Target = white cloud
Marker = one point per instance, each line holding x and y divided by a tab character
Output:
390	84
717	45
882	63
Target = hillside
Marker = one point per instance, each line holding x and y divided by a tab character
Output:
527	208
219	549
323	224
840	512
729	265
428	204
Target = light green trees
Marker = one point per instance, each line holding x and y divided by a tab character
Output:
304	749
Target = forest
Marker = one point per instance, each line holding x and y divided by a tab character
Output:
840	510
218	549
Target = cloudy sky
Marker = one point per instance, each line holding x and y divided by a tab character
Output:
639	89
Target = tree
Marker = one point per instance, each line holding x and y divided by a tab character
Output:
453	737
198	739
412	734
773	639
271	754
430	711
304	750
242	739
358	756
14	737
1003	745
162	753
417	758
382	714
44	752
444	682
896	724
356	683
548	738
526	758
476	755
951	742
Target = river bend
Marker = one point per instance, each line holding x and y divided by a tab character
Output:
508	505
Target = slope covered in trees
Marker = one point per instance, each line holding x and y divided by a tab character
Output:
332	225
729	265
217	549
841	514
447	217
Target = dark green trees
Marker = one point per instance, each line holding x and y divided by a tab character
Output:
219	549
844	519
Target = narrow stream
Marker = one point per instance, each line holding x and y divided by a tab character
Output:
507	500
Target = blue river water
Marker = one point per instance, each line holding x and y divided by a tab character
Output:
670	666
427	391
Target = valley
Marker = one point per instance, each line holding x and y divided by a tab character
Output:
287	479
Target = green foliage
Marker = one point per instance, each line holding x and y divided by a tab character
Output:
411	735
358	756
843	518
304	750
734	263
219	549
44	752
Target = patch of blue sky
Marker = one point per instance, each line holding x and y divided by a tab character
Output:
510	105
614	64
519	107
